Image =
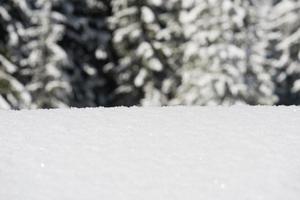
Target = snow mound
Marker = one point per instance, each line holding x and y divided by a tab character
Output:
211	153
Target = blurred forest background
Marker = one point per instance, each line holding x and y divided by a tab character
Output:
87	53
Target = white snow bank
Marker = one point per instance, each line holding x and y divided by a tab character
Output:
193	153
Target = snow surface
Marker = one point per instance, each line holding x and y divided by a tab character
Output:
209	153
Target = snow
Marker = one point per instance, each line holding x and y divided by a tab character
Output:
211	153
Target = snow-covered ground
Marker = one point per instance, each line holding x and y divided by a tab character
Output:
193	153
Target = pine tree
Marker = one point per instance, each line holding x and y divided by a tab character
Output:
284	50
86	41
59	50
13	93
224	55
146	38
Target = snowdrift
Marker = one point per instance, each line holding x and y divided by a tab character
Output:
209	153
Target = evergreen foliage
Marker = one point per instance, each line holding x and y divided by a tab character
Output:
58	50
146	38
284	50
56	53
224	53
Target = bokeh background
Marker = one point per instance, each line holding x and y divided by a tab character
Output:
88	53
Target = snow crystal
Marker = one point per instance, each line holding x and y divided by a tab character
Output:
155	64
147	14
296	86
9	67
140	78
